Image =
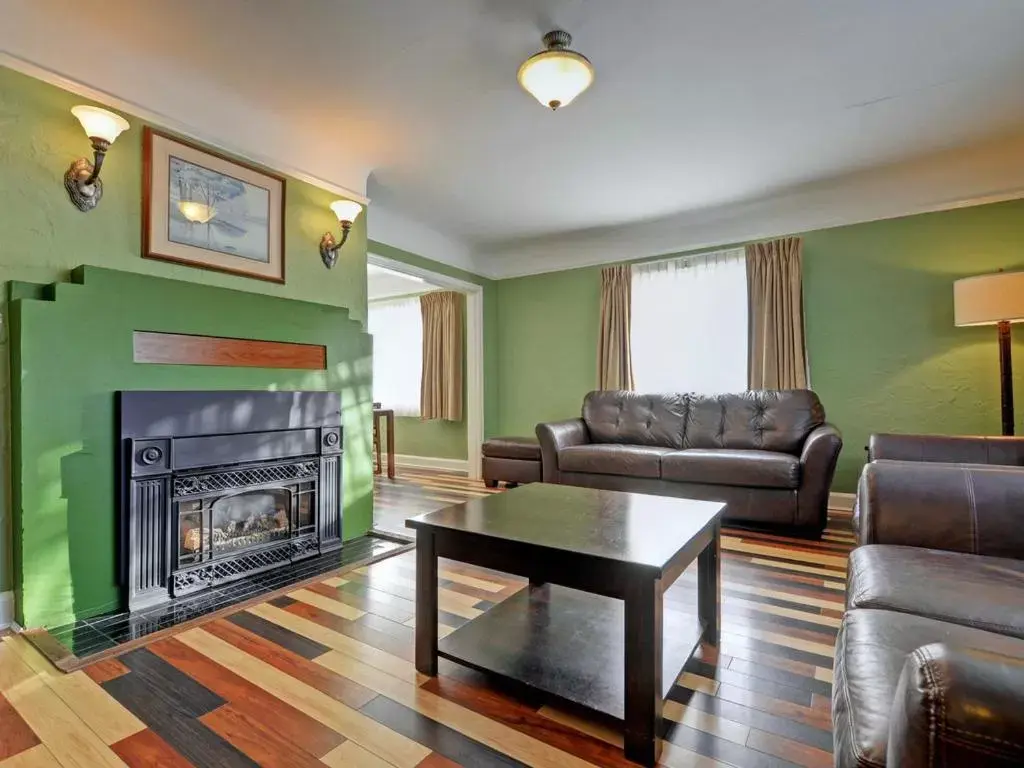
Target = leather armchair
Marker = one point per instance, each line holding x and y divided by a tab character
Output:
929	665
957	707
1003	451
954	507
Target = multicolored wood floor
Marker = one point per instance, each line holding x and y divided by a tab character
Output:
324	676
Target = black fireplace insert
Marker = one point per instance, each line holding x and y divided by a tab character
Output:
218	486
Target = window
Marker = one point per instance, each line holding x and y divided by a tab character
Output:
397	329
689	324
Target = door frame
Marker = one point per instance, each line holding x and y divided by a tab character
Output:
474	350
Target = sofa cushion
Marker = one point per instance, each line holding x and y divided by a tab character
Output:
871	650
767	420
526	448
757	469
612	459
634	419
974	590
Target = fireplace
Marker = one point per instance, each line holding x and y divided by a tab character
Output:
219	486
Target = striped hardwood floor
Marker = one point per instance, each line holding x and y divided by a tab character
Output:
324	676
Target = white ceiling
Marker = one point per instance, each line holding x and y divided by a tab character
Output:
700	112
384	283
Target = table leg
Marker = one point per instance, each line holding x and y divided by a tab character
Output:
391	446
643	671
426	603
709	585
376	443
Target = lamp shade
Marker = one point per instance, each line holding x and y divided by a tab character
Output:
99	123
346	210
989	299
556	77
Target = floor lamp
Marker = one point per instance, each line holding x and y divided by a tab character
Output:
996	299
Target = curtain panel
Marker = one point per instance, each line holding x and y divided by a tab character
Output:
614	359
441	383
777	359
689	325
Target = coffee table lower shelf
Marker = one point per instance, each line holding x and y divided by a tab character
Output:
565	643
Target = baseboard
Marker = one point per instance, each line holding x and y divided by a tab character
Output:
6	610
431	462
842	501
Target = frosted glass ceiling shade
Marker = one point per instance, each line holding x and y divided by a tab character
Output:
99	123
346	210
989	299
555	77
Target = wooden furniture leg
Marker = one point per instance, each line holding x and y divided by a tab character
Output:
376	444
643	671
426	603
391	444
709	585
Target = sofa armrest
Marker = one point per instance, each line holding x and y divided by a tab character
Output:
817	466
553	437
955	507
1004	451
957	707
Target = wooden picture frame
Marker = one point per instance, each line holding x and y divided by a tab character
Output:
210	211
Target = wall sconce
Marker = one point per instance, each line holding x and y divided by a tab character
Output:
347	211
82	179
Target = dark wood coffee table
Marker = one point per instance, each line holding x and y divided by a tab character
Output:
590	627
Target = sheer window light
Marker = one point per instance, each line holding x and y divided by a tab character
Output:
397	329
689	324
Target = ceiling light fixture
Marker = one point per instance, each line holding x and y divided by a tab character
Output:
558	75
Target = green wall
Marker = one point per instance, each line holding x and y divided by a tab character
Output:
71	347
43	237
884	354
435	439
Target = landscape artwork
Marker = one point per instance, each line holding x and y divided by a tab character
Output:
206	210
227	214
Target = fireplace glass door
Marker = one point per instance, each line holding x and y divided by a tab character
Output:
249	519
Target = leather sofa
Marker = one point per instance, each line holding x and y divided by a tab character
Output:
769	454
929	665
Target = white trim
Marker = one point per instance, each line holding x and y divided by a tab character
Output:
79	88
474	353
6	610
843	501
431	462
475	382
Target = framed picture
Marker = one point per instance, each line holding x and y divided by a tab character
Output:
203	209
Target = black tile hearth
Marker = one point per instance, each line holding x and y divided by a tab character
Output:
103	633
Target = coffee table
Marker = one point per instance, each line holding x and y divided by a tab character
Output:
590	627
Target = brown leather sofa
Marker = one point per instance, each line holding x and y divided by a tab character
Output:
929	666
769	454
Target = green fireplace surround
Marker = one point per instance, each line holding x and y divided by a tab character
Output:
71	349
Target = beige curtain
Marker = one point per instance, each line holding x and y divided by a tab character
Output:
614	360
775	305
441	381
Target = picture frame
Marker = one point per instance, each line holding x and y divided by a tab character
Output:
210	211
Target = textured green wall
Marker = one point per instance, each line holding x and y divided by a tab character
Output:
42	236
884	354
435	439
73	349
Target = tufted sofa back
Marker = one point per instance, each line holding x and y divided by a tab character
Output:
763	419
